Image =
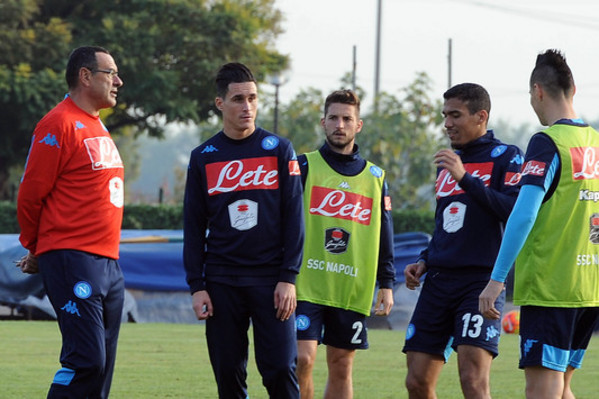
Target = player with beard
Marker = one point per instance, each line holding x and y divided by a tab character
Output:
348	247
476	189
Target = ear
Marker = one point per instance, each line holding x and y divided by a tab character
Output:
218	101
322	122
483	116
85	76
359	125
538	91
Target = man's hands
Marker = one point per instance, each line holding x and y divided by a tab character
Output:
413	272
285	300
28	264
202	305
451	161
384	302
486	299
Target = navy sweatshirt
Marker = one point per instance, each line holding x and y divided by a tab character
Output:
351	165
470	217
243	212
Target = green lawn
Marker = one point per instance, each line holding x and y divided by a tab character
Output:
171	361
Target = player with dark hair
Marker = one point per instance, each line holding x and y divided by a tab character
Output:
552	235
349	245
243	238
476	188
70	209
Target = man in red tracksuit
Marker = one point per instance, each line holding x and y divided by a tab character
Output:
70	209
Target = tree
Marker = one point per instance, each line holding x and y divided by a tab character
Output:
300	120
402	137
167	51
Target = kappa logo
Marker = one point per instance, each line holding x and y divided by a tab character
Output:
71	307
209	148
492	332
50	140
528	345
79	125
344	185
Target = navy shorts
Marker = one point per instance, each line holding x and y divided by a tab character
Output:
446	314
555	338
332	326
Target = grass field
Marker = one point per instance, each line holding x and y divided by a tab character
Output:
171	361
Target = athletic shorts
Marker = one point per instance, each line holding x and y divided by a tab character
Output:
555	338
446	314
336	327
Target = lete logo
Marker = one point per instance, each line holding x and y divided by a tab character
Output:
585	163
243	174
446	185
340	204
103	153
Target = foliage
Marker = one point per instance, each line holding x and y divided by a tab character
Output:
8	218
299	120
401	137
167	52
170	217
405	221
153	217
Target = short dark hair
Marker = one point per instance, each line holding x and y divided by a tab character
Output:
473	95
233	72
342	97
81	57
553	73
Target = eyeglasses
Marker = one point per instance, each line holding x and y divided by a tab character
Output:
110	72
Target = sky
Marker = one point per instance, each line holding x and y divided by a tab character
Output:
494	43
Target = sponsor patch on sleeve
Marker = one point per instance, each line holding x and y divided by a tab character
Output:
512	178
387	200
294	169
534	168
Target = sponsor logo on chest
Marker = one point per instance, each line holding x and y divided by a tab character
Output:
242	174
103	153
446	185
340	204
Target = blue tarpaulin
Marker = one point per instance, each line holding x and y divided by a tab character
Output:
152	260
